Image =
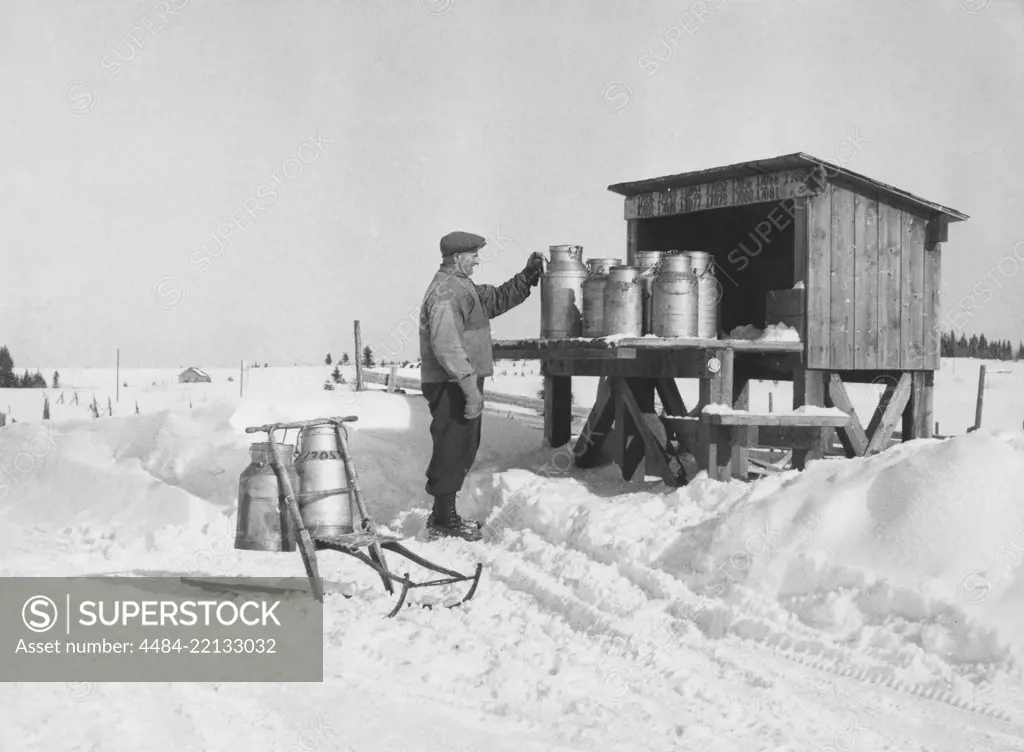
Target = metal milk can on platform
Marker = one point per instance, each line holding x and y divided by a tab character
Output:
623	302
593	295
561	293
709	293
263	522
322	491
647	263
674	298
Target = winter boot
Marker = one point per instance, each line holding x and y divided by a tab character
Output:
444	521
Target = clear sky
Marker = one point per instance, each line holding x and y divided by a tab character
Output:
320	150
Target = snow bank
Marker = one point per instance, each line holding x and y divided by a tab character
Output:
912	557
611	615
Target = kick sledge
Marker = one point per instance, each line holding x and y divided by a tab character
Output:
308	496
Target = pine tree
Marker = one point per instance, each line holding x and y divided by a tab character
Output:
56	379
368	361
327	360
7	378
336	375
344	359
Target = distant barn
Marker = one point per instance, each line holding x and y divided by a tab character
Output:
193	375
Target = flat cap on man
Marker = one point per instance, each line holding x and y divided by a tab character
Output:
461	242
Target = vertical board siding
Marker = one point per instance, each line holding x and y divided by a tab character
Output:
865	242
932	310
819	274
843	280
890	238
912	308
800	240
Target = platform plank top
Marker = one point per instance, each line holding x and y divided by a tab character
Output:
545	346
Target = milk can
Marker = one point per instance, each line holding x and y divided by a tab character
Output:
561	293
623	302
647	264
593	295
709	292
323	483
674	299
263	522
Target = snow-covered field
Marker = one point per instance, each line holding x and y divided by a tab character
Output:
870	604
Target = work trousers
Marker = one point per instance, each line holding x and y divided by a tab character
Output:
456	440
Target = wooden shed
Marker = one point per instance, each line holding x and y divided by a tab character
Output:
854	265
192	375
866	255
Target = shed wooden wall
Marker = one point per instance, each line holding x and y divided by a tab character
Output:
872	287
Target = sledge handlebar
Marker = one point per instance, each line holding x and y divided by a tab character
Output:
302	424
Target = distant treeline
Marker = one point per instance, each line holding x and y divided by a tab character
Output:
979	347
10	380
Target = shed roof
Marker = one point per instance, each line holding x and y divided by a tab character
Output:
775	164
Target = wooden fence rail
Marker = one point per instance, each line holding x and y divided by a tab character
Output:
407	382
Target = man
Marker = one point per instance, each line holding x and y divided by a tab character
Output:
455	352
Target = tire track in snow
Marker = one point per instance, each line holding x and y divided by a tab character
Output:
682	663
716	619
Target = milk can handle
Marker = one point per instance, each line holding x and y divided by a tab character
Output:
709	271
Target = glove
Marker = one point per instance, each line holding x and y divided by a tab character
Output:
534	268
474	400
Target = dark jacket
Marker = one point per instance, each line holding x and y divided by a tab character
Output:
455	324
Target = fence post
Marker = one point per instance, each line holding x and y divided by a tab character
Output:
981	397
359	362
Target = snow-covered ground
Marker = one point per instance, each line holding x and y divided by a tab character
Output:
870	604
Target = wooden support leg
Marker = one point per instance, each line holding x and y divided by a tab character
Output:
638	397
927	416
724	444
673	403
629	441
917	416
670	397
891	406
620	434
853	437
809	388
716	387
557	410
588	449
800	456
743	437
